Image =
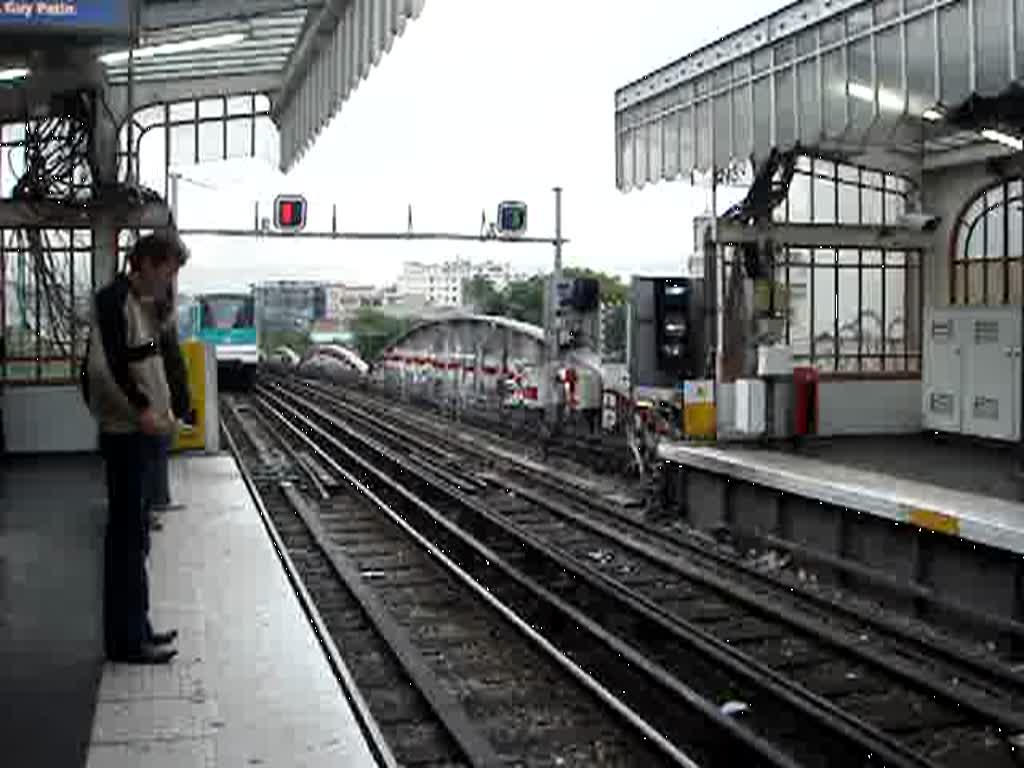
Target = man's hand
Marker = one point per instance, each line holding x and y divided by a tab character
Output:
149	422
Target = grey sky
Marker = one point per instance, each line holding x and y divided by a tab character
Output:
479	101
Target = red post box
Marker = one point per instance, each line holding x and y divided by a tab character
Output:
805	411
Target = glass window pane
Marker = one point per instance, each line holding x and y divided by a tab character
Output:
858	20
800	198
724	150
240	105
955	53
886	10
211	141
889	64
921	64
626	158
861	88
807	42
240	137
762	60
211	108
640	168
741	67
832	32
704	137
824	195
870	314
835	92
1018	43
784	52
672	145
742	129
183	110
810	102
762	117
991	55
785	104
993	226
824	287
849	211
653	134
687	148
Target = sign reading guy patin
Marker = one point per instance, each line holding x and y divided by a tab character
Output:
64	16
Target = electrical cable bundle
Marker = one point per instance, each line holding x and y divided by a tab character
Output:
58	168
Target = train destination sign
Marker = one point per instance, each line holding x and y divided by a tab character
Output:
63	16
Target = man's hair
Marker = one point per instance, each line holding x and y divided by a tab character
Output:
157	249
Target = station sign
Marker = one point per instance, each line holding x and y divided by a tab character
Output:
64	17
290	213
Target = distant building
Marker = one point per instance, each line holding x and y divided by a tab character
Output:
441	284
342	301
289	305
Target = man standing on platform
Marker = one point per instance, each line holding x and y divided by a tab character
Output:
129	395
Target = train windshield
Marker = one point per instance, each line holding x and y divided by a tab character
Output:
227	312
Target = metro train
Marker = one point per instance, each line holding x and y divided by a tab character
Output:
227	321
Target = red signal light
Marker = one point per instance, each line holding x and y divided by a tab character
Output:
290	213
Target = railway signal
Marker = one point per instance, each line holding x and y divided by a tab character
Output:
512	219
290	213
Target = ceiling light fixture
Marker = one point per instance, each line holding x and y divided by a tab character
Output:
168	49
14	73
1003	138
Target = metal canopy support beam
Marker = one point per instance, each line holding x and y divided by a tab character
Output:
334	53
170	91
47	215
171	14
451	236
865	236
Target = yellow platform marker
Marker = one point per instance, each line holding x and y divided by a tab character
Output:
699	416
194	439
935	521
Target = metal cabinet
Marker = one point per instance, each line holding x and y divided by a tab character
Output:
972	371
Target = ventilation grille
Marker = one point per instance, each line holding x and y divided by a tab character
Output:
986	408
941	403
986	331
942	331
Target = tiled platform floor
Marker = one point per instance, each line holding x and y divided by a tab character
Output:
250	685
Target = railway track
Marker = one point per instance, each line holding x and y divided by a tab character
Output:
959	629
450	674
915	697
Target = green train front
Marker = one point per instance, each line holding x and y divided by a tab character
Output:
227	322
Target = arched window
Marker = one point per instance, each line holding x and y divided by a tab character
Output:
988	249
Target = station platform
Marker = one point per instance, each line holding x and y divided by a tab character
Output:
938	513
953	486
250	684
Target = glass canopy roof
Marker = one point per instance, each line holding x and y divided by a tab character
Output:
866	82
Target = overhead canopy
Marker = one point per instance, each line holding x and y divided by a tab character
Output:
851	79
307	55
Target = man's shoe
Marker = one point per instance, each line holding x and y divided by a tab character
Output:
147	654
163	638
